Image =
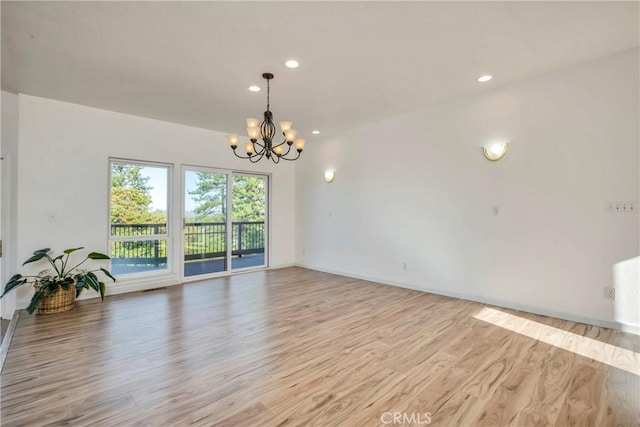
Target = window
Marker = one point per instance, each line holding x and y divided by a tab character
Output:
139	217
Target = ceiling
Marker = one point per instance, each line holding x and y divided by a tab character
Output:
191	62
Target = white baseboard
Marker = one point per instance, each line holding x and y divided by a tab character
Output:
141	284
286	265
484	300
630	328
124	286
136	284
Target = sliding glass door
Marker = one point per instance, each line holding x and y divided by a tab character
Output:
213	234
205	222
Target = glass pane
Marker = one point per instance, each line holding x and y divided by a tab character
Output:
138	208
138	256
138	199
205	230
249	205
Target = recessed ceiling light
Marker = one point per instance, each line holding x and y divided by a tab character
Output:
291	63
254	88
315	132
484	78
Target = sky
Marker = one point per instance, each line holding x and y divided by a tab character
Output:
158	180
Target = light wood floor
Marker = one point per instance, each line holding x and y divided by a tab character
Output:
295	347
4	325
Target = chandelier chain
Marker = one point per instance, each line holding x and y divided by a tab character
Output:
268	92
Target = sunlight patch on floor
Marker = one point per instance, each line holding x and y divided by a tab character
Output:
611	355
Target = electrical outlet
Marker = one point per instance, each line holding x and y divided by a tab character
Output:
622	207
404	266
609	293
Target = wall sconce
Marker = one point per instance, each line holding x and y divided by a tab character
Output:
329	175
495	151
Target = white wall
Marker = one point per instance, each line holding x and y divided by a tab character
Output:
8	192
411	189
417	189
63	170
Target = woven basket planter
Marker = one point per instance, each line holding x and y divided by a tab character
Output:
59	302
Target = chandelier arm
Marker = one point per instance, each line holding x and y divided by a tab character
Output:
283	143
258	144
242	157
294	158
288	150
276	159
253	156
257	157
288	147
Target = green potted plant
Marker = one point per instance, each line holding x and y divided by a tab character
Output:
57	289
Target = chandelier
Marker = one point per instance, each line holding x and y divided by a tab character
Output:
266	131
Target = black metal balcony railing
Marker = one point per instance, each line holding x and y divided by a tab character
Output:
202	241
